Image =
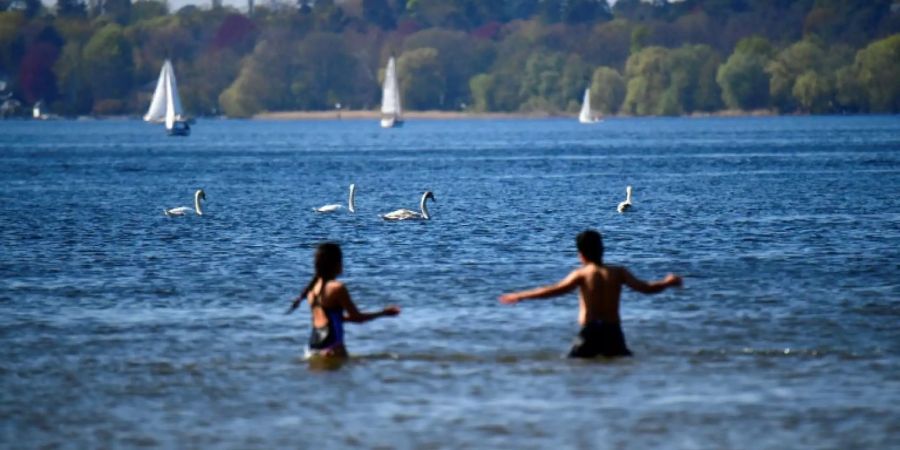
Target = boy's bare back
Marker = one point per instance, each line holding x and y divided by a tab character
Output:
600	290
599	294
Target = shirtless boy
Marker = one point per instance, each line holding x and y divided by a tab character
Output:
600	287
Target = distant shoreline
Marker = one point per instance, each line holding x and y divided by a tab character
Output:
418	115
460	115
440	115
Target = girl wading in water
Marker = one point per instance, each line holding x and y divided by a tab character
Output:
330	304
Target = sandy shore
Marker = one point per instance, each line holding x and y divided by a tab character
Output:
417	115
452	115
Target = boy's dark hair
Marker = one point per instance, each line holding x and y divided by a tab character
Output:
590	245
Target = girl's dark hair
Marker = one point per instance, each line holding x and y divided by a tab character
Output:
327	262
590	245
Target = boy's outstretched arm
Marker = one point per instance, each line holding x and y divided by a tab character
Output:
649	287
566	285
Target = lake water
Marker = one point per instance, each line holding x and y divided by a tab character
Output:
121	327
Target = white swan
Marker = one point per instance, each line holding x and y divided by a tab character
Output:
182	210
405	214
626	205
351	203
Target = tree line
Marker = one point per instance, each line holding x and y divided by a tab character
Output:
638	57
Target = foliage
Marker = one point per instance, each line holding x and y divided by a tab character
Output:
648	79
607	90
638	57
813	91
71	8
802	58
481	86
107	66
743	78
693	79
422	84
878	69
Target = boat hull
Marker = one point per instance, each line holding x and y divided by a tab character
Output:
391	122
180	129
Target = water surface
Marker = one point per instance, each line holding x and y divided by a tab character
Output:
124	328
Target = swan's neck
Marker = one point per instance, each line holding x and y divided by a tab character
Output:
628	195
351	203
197	204
424	208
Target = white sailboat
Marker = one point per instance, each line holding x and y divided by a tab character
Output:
391	113
585	116
166	104
36	112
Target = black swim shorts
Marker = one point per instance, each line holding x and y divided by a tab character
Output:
599	338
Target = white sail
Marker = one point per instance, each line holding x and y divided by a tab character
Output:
390	97
170	105
585	115
165	101
157	109
173	91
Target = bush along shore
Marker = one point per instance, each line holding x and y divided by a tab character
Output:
531	58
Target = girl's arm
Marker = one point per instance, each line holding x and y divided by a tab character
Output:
568	284
353	314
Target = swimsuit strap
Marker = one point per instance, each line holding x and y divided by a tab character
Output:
317	298
317	303
333	316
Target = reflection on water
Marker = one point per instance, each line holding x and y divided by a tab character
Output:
124	328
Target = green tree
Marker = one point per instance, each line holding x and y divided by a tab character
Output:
158	39
147	9
71	8
792	62
878	69
203	80
421	81
540	88
813	92
640	35
328	16
107	66
506	86
379	12
117	10
323	72
849	93
743	78
461	58
607	90
31	7
441	13
647	72
481	86
262	84
609	44
75	91
575	77
503	55
583	11
11	22
693	79
520	9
